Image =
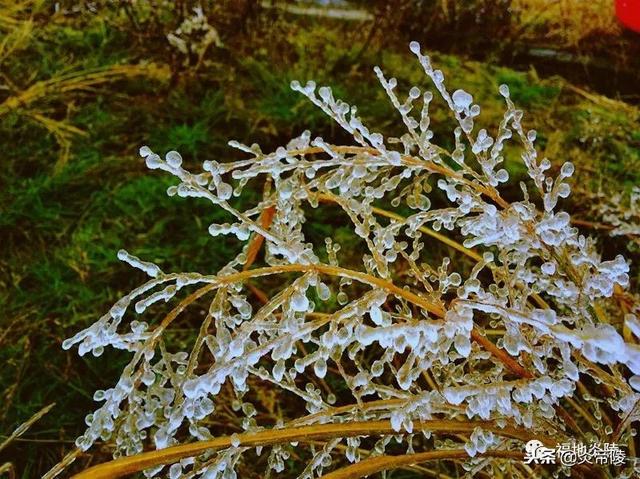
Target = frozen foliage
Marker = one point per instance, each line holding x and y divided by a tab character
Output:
405	339
619	213
194	35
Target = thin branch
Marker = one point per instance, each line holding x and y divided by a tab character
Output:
24	427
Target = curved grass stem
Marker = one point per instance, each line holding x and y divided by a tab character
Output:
132	464
383	463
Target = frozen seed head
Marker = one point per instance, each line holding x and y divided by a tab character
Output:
324	293
149	268
502	175
174	159
548	268
145	151
376	315
309	88
567	169
462	100
225	191
153	161
325	93
299	301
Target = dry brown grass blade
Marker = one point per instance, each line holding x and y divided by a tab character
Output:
7	467
383	463
387	404
605	102
409	160
128	465
79	81
67	460
16	38
11	12
24	427
61	85
426	472
7	21
63	132
266	218
500	354
256	242
258	293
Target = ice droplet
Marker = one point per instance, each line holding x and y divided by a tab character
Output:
462	100
376	315
174	159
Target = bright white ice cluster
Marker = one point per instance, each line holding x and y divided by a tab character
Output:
194	35
405	340
619	212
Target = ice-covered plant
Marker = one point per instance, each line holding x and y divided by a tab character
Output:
396	361
194	36
618	213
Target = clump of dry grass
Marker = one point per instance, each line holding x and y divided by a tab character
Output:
32	101
61	87
19	431
565	22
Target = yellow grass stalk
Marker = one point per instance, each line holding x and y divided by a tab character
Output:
61	85
24	427
413	467
565	21
383	463
79	81
129	465
17	37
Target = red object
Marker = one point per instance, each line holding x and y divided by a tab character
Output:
628	12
